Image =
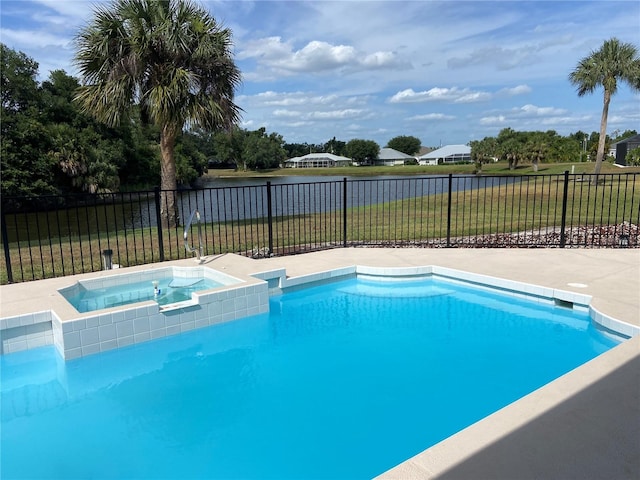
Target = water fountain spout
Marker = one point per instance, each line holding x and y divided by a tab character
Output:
188	247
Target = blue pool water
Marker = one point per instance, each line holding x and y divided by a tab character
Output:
170	290
343	380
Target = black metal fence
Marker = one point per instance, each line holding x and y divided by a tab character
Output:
51	236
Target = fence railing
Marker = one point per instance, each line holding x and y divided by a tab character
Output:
52	236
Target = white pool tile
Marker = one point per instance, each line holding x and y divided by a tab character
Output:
213	319
187	315
125	341
78	325
89	336
44	316
173	329
125	328
72	340
141	337
90	349
172	318
186	326
158	333
13	322
228	306
201	323
156	321
108	345
92	322
107	332
140	325
71	353
253	300
240	313
240	303
36	330
39	341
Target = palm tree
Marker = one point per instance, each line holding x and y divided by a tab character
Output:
614	61
171	59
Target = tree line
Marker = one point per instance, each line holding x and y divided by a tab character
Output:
518	147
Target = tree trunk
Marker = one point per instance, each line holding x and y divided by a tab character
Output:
168	183
603	135
535	165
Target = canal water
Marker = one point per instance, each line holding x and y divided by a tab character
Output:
241	198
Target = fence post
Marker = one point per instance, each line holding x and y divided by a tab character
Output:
565	199
344	212
156	192
5	244
449	210
269	218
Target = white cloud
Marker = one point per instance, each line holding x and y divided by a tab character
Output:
518	90
455	95
532	110
315	56
286	113
57	20
432	116
318	115
288	99
495	120
472	97
78	10
551	121
336	114
33	39
499	57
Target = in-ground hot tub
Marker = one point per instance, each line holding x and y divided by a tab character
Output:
170	287
129	308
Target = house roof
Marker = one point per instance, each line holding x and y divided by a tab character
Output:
447	151
392	154
318	156
633	139
425	150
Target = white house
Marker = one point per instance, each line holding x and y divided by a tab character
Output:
316	160
390	157
447	154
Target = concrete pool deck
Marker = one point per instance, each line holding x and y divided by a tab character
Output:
585	424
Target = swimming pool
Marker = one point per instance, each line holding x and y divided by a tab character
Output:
338	380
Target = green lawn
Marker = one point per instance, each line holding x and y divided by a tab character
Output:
500	168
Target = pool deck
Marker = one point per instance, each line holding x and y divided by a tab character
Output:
585	424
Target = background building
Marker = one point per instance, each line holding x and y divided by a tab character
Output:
316	160
447	154
390	157
625	146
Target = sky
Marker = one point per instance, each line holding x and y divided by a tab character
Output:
446	72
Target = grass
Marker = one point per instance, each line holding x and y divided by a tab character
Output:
499	168
530	205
